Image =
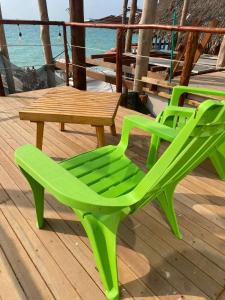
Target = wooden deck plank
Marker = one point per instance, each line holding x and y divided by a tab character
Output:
9	281
32	284
152	263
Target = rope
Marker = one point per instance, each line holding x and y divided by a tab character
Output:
82	47
31	45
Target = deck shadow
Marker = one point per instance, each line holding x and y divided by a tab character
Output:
16	267
156	278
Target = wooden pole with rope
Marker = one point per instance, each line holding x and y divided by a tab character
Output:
6	59
46	41
144	43
78	45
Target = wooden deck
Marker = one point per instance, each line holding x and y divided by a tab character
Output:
57	263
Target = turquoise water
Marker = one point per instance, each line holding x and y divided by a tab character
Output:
27	50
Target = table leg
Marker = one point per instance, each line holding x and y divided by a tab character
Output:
62	126
39	135
100	136
113	129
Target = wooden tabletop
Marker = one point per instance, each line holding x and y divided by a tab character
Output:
69	105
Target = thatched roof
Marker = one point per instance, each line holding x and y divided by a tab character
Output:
201	10
206	10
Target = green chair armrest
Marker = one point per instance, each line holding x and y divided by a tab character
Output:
150	126
173	111
65	187
179	90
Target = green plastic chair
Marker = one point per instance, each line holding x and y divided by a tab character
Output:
103	186
176	117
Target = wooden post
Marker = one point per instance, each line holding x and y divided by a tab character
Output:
45	38
129	34
2	90
221	56
184	12
124	14
119	63
192	45
183	18
5	53
78	45
67	59
144	43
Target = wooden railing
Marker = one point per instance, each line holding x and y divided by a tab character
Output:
119	38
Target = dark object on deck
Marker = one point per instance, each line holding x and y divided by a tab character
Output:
2	90
133	100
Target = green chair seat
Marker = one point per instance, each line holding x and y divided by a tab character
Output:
106	171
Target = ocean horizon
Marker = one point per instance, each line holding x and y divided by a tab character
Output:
27	51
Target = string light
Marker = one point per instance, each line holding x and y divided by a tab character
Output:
59	34
20	33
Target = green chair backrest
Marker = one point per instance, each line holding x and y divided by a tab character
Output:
203	132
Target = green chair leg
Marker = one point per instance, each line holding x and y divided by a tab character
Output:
153	151
38	193
167	204
218	160
101	232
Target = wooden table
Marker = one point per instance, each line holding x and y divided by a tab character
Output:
69	105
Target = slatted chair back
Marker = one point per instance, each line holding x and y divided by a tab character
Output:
204	131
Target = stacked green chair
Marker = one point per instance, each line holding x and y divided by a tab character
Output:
103	186
176	117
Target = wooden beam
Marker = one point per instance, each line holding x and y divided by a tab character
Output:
217	30
157	82
103	55
67	59
97	75
192	45
78	45
204	41
108	65
119	65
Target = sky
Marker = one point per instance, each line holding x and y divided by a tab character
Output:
28	9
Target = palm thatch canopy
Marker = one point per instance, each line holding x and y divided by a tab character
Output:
201	11
205	10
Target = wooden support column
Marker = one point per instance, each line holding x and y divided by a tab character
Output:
5	53
221	56
144	43
184	12
124	14
2	90
119	63
191	48
78	45
129	34
67	59
45	38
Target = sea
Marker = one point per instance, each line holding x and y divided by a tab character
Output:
25	48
